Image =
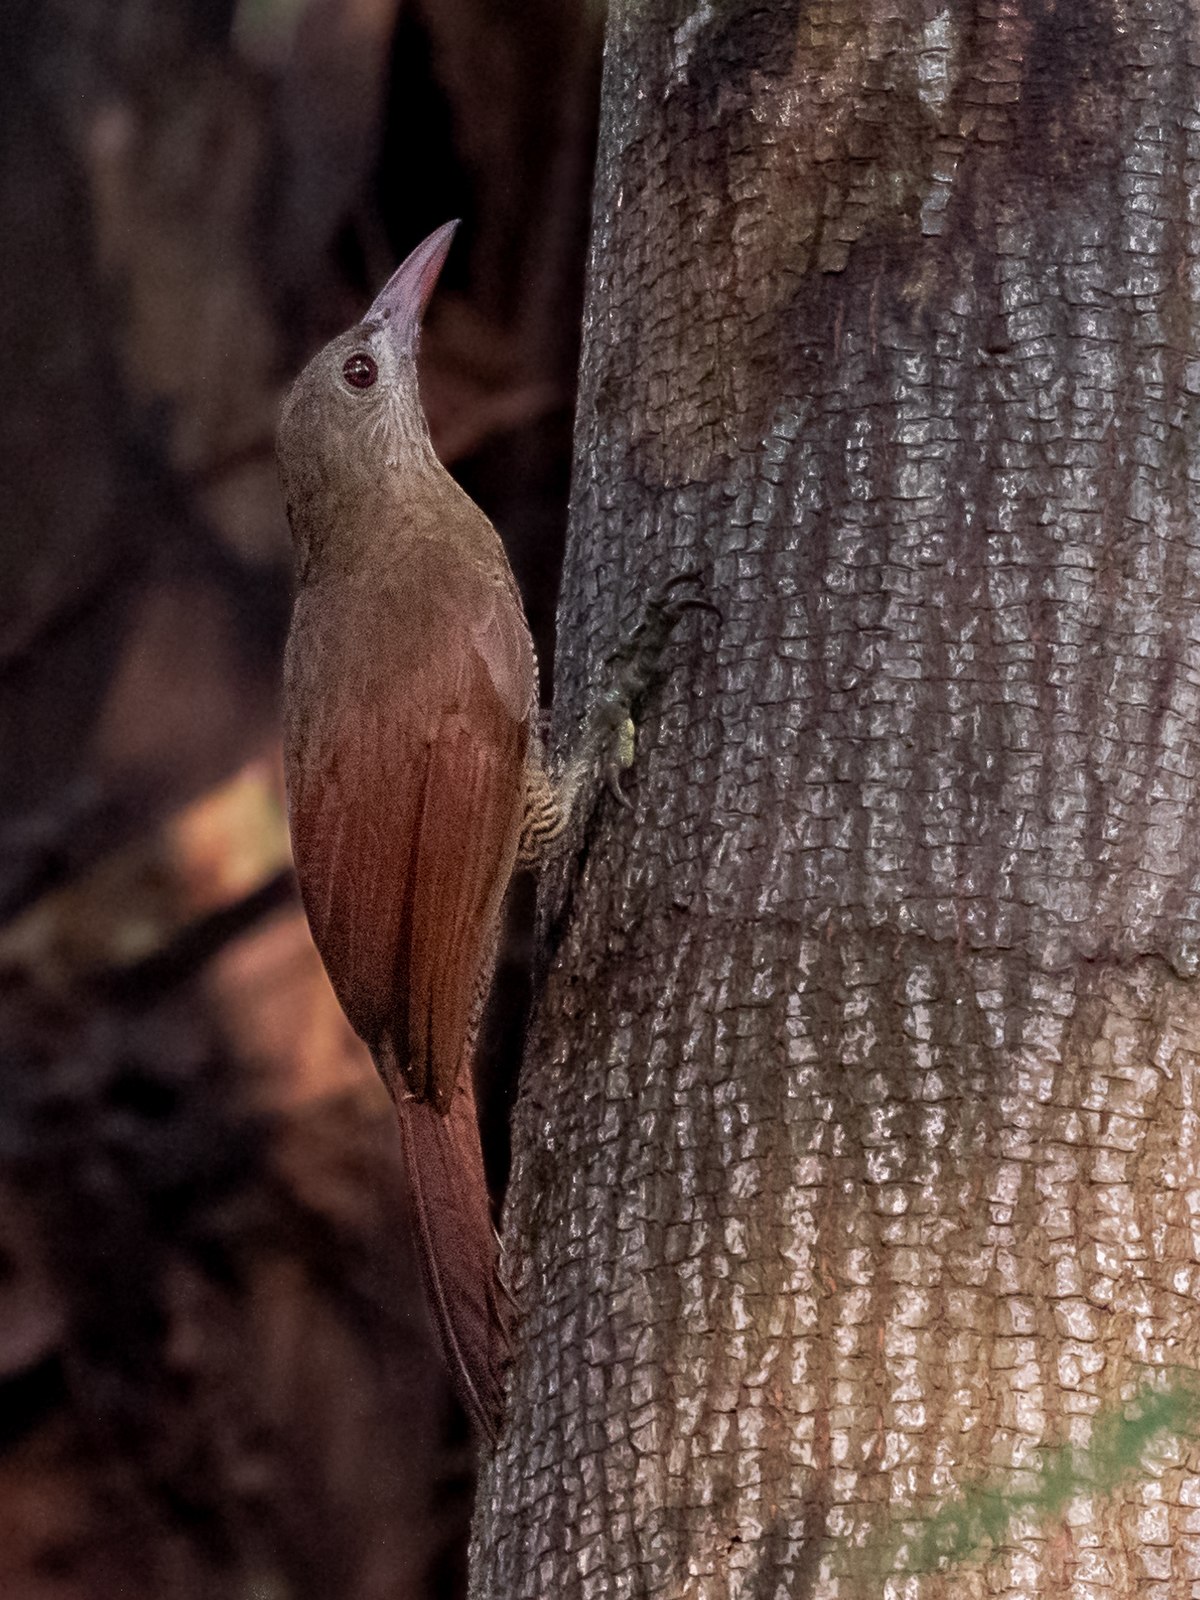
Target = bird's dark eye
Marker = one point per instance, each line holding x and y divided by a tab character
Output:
360	371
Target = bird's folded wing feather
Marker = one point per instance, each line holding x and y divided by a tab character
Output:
404	837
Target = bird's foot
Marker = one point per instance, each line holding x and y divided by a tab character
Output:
609	741
633	667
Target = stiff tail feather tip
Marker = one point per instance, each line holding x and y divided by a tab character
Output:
456	1247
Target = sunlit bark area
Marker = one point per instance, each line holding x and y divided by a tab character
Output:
856	1157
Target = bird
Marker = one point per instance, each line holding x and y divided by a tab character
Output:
415	776
410	733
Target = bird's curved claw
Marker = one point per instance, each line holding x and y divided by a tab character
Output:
634	662
612	782
674	606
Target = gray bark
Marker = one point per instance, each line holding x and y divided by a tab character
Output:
856	1156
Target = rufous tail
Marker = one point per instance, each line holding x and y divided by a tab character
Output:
456	1246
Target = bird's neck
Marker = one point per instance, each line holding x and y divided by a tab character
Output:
355	511
395	435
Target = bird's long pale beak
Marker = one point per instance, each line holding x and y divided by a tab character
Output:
400	304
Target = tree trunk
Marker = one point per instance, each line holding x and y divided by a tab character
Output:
856	1159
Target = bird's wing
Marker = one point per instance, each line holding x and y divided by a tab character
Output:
404	833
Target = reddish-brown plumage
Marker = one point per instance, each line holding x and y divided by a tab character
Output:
409	683
405	791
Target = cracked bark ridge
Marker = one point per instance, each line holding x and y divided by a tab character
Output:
856	1153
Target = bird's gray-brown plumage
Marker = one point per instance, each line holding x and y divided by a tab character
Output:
409	701
413	769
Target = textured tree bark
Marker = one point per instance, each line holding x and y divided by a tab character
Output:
855	1193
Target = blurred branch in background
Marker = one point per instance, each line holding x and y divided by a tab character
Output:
214	1364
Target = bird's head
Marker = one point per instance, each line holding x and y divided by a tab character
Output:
355	412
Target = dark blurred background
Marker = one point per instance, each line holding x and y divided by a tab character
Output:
215	1374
